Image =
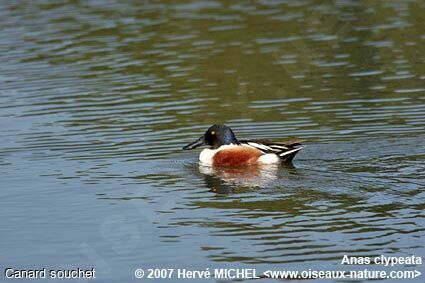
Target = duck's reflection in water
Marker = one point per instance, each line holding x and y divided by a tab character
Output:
224	180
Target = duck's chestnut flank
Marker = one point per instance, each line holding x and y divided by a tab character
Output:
236	156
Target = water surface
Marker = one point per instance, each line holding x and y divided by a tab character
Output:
98	97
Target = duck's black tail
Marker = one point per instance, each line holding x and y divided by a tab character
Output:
288	155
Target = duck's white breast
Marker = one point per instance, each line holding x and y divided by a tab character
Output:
206	156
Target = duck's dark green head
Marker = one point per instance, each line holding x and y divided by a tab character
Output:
215	136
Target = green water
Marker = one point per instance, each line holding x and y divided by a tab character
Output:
98	97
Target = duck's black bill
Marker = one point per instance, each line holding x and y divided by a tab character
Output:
195	144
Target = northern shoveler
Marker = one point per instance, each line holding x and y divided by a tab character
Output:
226	150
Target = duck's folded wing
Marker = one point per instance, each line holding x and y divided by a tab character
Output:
286	150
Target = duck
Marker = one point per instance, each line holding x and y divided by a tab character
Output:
226	150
